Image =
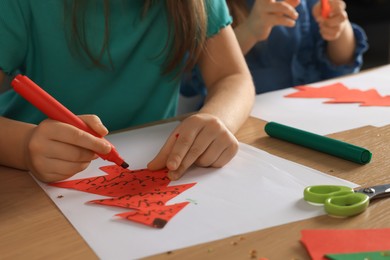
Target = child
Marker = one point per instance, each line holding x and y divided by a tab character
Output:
119	62
288	43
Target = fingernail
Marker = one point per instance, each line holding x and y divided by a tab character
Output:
173	176
172	165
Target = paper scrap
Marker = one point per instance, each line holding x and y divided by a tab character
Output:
381	255
320	242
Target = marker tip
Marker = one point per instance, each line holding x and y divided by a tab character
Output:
125	165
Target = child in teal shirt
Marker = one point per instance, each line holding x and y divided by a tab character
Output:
118	62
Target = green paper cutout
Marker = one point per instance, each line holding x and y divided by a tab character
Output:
380	255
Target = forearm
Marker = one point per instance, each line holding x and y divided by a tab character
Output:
13	140
231	100
230	90
341	51
245	37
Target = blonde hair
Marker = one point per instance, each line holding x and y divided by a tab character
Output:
188	17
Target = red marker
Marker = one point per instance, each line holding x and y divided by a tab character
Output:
55	110
325	8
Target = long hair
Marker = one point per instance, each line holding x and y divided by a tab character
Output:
188	19
239	11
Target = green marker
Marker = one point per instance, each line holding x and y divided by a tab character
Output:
318	142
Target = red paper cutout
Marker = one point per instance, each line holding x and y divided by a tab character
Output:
355	96
339	93
144	191
321	242
328	91
379	101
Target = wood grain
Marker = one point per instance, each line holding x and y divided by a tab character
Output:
32	227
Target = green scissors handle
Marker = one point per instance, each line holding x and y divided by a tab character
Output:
340	201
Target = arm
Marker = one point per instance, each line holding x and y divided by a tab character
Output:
229	83
263	16
207	137
337	31
12	140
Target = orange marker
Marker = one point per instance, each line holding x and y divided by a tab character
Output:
325	8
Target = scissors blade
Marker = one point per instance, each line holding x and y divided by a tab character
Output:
376	192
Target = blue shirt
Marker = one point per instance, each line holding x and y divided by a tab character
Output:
34	41
290	56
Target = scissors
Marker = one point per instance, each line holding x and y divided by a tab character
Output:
343	201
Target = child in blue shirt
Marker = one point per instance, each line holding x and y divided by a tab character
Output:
119	63
288	43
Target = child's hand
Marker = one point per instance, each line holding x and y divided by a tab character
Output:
332	27
56	151
266	14
200	139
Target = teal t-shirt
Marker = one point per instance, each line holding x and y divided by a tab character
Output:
34	41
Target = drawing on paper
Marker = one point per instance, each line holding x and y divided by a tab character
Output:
143	191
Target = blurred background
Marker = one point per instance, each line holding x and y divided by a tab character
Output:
374	17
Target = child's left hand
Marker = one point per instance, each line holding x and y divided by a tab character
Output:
201	139
332	27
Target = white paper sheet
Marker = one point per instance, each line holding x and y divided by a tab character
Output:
254	191
312	115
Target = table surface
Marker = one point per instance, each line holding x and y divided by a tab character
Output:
32	227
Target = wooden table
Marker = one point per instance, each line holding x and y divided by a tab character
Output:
32	227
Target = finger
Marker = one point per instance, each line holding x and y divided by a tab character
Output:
330	36
330	33
337	9
198	147
214	159
283	9
337	6
216	149
186	149
182	168
64	151
293	3
160	160
335	21
66	133
95	124
57	170
316	12
225	157
210	156
283	21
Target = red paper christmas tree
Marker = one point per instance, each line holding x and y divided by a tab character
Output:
339	93
145	192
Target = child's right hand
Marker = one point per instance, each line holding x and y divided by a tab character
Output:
56	151
332	27
266	14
